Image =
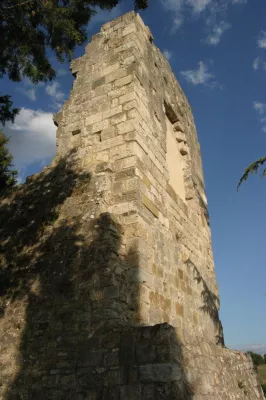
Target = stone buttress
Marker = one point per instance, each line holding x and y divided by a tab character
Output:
114	294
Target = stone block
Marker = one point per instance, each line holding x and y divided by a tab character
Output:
117	75
117	119
125	127
99	126
150	206
127	97
160	373
92	119
108	133
98	82
179	309
124	81
131	28
110	68
111	112
130	392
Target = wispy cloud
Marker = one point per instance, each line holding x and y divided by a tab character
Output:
239	1
29	89
198	5
62	72
168	54
54	91
32	139
216	33
214	11
256	63
199	76
30	93
260	109
180	7
262	40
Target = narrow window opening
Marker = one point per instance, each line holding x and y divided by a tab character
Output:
97	136
171	115
173	156
76	140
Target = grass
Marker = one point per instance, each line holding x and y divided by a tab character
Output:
262	373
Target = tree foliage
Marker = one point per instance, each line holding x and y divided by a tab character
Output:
256	358
7	174
28	28
251	169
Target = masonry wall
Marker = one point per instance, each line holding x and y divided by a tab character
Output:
112	293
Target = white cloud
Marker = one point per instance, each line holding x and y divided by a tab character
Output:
262	40
54	91
29	89
61	72
199	76
256	63
239	1
215	12
259	107
56	94
179	7
198	5
32	138
176	7
168	54
30	93
217	31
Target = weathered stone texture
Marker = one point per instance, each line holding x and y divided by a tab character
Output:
108	288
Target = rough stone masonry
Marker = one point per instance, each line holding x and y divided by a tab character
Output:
107	282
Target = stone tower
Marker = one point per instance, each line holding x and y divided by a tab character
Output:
108	288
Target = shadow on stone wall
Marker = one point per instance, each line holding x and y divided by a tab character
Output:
77	340
211	304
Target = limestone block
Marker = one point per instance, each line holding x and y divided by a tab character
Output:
92	119
124	81
108	133
111	112
116	75
125	127
110	68
117	119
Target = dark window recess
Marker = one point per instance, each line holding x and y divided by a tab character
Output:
171	115
76	132
98	136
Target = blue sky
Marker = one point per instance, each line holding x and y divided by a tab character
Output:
217	49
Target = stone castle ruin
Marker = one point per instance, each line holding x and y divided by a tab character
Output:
107	281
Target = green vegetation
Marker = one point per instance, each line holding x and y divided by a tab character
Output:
260	366
7	174
29	28
251	169
256	358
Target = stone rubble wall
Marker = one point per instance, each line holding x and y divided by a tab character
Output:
108	288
